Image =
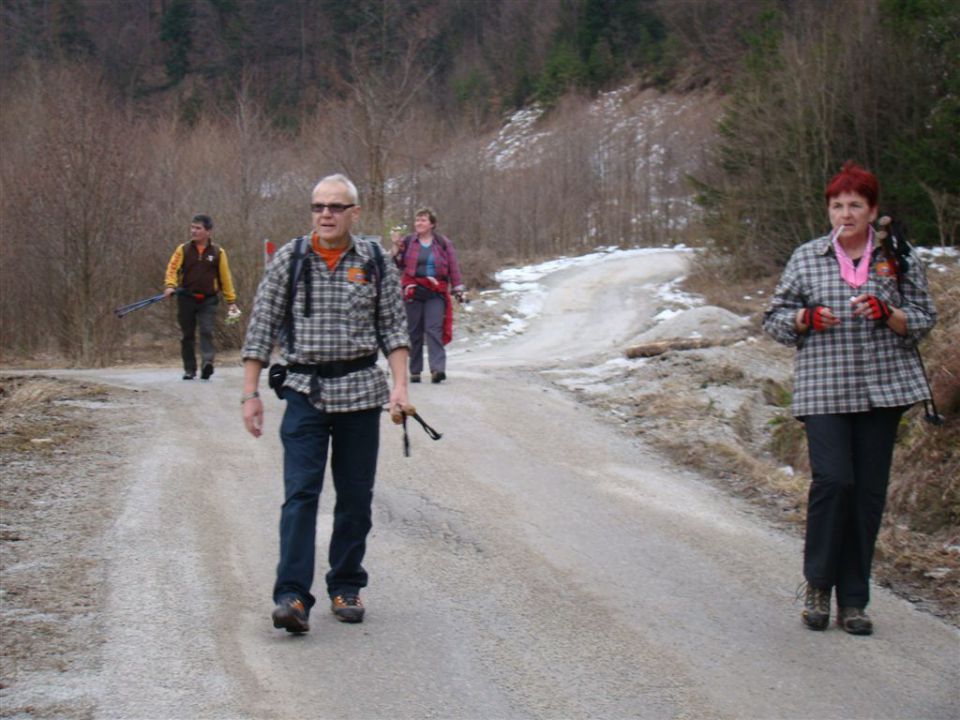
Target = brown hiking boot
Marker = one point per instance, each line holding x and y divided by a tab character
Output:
855	621
347	608
291	615
816	608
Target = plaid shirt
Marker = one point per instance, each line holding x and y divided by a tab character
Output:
859	364
340	326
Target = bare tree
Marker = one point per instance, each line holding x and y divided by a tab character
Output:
72	190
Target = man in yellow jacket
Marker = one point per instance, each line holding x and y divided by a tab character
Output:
199	269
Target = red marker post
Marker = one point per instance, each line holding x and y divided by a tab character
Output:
269	249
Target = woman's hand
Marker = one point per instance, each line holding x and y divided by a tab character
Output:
870	307
817	318
873	308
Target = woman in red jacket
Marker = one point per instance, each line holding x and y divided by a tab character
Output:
429	275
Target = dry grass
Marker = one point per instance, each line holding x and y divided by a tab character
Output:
21	395
29	418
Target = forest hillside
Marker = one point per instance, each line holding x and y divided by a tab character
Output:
533	128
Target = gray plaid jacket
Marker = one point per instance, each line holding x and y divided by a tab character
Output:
859	364
340	326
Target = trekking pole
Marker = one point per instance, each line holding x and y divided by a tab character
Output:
127	309
892	237
400	417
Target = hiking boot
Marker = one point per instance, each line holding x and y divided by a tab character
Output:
854	620
206	372
438	377
414	377
291	615
189	375
347	608
816	608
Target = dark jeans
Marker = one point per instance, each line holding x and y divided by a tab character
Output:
425	319
354	440
189	312
850	456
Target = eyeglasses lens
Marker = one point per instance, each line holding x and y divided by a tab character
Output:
335	208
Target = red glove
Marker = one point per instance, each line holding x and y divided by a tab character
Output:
813	318
878	309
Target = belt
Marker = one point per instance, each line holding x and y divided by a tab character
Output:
335	369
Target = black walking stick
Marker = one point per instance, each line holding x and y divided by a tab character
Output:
400	417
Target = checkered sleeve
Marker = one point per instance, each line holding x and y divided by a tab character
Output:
269	305
917	304
393	316
779	318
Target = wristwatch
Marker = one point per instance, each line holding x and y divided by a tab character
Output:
249	396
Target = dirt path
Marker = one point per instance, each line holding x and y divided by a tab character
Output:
534	563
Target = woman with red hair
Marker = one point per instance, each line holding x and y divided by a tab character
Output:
855	311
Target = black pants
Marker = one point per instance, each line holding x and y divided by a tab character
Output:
850	456
189	311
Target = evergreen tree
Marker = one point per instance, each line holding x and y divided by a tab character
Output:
175	27
72	38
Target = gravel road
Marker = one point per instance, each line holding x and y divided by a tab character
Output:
534	563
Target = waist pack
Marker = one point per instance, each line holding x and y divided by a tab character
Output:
276	376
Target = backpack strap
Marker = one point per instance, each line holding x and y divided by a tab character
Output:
297	259
378	269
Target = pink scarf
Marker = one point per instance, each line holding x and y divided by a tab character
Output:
855	276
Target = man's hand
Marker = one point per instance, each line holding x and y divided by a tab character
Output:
818	318
252	407
399	401
233	314
253	416
169	291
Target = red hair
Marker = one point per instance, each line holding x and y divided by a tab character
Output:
853	179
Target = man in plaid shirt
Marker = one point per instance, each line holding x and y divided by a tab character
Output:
855	310
346	303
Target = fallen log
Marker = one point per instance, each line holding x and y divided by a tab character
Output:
658	347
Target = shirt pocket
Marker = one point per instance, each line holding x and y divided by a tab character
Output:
361	300
885	289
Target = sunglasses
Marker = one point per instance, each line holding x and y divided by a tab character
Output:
335	208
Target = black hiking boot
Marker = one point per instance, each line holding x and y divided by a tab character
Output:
816	608
854	621
438	377
206	372
415	377
291	615
347	608
189	375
